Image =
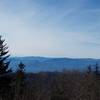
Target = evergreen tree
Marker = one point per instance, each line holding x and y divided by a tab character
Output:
97	69
20	81
89	69
5	71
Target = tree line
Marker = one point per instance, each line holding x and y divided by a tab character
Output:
65	85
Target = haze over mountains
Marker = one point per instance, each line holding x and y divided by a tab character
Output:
38	64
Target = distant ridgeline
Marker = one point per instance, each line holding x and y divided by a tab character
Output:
38	64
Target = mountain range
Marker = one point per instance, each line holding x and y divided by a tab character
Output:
39	64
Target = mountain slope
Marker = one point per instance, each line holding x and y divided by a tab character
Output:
37	64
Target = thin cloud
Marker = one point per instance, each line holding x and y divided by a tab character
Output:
53	28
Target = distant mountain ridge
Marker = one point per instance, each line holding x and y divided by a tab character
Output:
38	64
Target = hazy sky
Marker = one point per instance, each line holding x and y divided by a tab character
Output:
56	28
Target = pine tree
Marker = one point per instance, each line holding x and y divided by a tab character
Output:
20	81
97	69
89	71
5	71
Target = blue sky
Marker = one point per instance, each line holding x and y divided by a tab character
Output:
55	28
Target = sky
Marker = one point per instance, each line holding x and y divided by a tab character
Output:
51	28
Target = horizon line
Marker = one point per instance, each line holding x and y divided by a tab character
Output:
56	57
